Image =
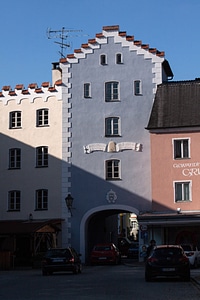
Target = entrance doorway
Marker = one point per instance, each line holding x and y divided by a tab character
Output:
104	224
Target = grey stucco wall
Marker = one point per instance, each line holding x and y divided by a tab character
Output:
88	185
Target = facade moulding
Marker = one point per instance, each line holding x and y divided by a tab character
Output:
31	93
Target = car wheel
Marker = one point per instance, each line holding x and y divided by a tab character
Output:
195	264
148	277
76	269
186	277
80	269
44	273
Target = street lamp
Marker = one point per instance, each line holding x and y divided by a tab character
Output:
69	201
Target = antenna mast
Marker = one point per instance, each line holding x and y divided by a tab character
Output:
62	35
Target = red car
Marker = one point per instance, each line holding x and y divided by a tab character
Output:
105	254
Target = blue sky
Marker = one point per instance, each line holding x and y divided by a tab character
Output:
26	53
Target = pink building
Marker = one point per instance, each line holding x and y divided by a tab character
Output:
174	126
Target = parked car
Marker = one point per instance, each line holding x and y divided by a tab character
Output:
193	254
105	254
61	259
167	260
133	250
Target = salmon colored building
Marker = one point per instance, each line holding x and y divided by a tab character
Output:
174	127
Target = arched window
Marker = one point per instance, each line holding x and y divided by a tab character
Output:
41	199
111	91
42	117
118	58
113	169
103	59
112	126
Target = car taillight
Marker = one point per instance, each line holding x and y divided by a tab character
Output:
152	259
72	260
183	259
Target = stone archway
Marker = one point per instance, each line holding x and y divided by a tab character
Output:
88	214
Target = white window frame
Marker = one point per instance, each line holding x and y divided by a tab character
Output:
182	184
42	156
112	91
103	59
181	156
14	200
111	125
113	169
15	119
14	158
137	87
41	199
87	90
42	117
119	61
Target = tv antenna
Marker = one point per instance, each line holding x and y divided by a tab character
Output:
62	35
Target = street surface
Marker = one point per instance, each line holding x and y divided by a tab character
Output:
125	281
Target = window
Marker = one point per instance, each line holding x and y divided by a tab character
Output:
118	58
87	90
14	200
42	117
182	191
15	119
103	60
112	126
111	91
15	158
112	169
42	199
42	156
137	87
181	148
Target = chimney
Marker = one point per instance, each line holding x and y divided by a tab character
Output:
56	72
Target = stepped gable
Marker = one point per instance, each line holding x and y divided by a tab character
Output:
33	91
120	36
176	105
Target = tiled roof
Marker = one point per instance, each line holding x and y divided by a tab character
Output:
177	104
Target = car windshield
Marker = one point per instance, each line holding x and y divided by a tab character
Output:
102	248
164	252
58	253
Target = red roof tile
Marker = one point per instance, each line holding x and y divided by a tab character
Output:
19	86
45	84
32	85
113	27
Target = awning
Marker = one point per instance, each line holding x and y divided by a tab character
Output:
29	226
171	219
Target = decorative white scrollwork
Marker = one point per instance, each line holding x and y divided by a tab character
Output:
112	147
94	147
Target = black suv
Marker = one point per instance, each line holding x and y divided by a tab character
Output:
167	260
61	259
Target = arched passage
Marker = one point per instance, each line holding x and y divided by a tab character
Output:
87	216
